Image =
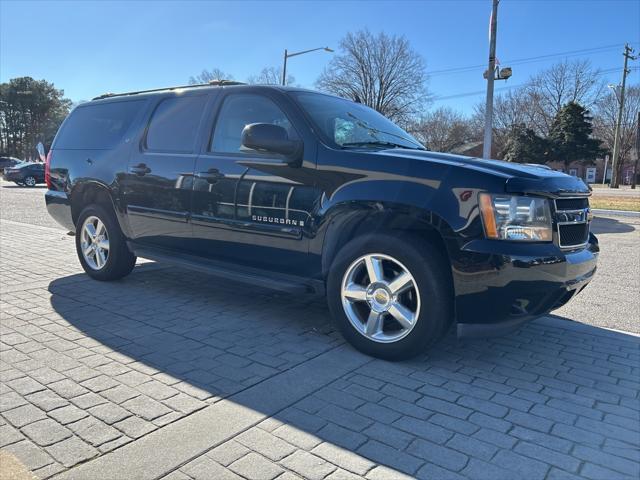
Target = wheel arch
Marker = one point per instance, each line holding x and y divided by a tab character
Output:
351	221
87	193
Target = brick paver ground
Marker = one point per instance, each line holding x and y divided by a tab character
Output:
88	368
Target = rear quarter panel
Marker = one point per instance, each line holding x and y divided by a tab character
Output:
71	168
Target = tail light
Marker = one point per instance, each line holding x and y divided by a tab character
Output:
47	169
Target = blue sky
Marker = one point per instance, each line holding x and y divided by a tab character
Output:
88	48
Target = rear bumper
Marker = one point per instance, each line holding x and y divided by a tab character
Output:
59	207
516	284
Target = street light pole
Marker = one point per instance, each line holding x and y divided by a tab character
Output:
284	68
616	141
287	55
488	120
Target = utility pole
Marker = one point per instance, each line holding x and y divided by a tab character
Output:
635	165
616	142
488	119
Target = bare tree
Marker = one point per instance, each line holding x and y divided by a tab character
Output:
569	81
208	75
537	103
380	71
443	129
510	109
270	76
604	122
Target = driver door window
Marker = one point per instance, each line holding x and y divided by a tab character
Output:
239	111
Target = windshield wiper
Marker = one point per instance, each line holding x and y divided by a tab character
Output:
376	144
373	131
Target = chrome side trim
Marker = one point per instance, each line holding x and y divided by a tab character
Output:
289	194
250	200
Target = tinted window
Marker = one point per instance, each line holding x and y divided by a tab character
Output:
7	162
97	126
33	166
239	111
174	124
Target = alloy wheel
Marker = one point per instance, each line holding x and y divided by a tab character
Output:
380	298
94	242
30	182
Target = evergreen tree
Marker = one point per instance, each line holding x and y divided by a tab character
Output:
570	137
30	112
523	145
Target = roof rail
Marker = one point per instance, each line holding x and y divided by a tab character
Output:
218	83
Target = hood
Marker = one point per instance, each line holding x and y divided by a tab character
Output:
519	177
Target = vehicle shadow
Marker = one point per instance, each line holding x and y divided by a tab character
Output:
222	338
610	225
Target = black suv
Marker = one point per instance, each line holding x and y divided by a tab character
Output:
305	192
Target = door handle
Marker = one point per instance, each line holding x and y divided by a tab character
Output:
212	175
140	169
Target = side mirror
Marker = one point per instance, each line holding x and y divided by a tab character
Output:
266	137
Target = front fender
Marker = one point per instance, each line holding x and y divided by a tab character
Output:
349	219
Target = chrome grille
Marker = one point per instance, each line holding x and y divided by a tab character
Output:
572	217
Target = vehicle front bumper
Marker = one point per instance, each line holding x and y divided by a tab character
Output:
59	207
501	285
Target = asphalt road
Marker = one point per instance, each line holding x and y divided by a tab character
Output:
612	300
26	205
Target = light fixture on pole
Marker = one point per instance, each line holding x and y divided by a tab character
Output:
491	74
288	55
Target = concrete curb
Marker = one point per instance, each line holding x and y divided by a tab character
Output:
617	213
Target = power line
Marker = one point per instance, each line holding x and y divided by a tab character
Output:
571	53
509	87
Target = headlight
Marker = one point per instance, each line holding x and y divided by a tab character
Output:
512	217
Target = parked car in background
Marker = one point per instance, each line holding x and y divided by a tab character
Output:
27	174
7	162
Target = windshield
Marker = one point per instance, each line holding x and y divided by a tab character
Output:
348	124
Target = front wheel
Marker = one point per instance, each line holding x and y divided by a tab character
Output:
101	246
30	181
391	297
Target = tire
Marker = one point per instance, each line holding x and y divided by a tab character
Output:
428	298
118	261
30	181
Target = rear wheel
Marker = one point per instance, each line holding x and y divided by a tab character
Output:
101	246
391	297
30	181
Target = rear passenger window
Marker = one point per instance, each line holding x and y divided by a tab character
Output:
97	126
174	124
240	110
